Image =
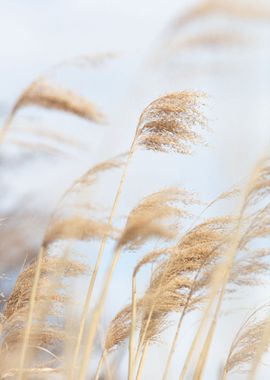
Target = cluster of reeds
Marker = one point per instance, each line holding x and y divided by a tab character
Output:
190	267
196	261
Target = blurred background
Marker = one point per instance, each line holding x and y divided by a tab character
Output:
121	55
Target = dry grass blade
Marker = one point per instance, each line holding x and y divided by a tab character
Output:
172	123
41	93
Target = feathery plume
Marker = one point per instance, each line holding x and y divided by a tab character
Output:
149	218
179	282
119	329
172	123
41	93
246	342
44	94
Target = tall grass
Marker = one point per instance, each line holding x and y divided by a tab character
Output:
197	261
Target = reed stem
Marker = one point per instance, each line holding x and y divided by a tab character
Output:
30	315
100	364
96	315
132	331
142	361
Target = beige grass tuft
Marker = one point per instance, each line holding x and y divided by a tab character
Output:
173	123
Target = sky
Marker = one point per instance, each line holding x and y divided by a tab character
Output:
36	35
